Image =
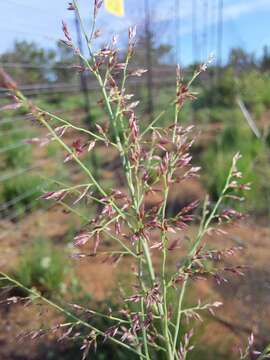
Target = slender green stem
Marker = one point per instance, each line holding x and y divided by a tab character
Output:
103	229
140	278
163	112
127	169
155	120
66	147
88	40
74	211
55	117
149	261
121	243
166	330
74	189
145	342
109	317
202	230
66	312
132	171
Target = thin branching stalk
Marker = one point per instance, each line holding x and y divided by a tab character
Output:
152	160
67	313
204	227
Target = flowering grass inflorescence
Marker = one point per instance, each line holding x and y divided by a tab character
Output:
153	160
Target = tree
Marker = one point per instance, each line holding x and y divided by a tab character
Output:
65	59
30	63
240	60
158	52
265	62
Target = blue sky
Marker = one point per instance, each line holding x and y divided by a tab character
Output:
246	23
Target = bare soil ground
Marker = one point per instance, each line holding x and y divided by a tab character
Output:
246	299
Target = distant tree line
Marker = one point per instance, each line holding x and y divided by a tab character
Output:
29	63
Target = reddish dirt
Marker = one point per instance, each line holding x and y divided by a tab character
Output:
246	299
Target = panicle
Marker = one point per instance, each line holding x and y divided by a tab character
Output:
97	6
132	33
66	31
6	81
54	195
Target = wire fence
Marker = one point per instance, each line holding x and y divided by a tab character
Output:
161	75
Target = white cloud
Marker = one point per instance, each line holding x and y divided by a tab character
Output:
233	9
238	8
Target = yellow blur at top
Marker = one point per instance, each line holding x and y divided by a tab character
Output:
115	7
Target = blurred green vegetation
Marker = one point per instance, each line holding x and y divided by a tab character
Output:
235	136
217	109
252	86
13	151
25	188
217	158
43	266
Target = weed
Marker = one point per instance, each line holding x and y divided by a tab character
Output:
13	150
216	161
43	267
20	193
153	159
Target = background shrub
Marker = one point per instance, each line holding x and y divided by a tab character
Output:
43	267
